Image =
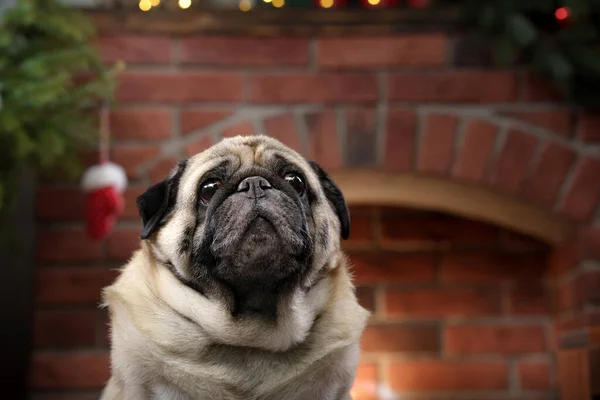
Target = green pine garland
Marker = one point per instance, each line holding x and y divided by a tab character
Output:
46	116
528	33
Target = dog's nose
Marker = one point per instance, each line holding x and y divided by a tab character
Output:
254	186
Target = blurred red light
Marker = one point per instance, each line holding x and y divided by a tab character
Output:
562	13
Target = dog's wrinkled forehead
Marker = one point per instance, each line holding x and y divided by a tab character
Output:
241	153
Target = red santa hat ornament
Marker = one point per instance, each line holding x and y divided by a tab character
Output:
103	184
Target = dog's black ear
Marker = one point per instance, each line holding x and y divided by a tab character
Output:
156	202
335	197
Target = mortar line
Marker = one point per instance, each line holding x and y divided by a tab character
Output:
381	117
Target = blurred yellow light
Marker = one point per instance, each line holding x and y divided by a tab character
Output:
278	3
145	5
185	4
267	1
326	3
245	5
374	2
154	2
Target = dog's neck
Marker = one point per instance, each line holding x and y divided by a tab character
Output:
256	299
296	313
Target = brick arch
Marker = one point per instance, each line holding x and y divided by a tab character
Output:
525	162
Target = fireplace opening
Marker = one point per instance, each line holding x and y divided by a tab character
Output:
458	307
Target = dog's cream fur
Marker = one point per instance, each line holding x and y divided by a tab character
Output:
170	342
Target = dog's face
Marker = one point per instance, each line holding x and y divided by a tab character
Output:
245	222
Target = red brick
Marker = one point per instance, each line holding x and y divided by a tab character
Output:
589	127
382	267
141	123
442	302
361	137
493	267
362	230
133	157
121	243
198	146
135	49
72	285
559	121
578	321
103	329
179	86
564	258
401	338
448	375
453	86
65	328
192	119
517	241
407	50
284	129
584	245
131	194
323	143
474	153
427	227
588	243
534	375
162	169
483	339
511	167
70	370
583	195
549	174
437	145
240	129
323	87
366	297
244	51
587	288
565	297
400	140
366	383
60	245
59	204
579	292
529	299
538	89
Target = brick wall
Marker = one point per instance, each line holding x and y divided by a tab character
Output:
459	306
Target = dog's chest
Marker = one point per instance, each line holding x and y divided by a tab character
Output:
328	378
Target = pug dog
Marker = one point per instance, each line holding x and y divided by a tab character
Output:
239	290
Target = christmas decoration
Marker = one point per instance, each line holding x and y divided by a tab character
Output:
554	39
45	117
104	185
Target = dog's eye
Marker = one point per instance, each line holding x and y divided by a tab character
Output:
296	182
208	190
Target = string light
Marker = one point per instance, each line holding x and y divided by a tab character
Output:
373	2
155	3
267	1
245	5
145	5
185	4
278	3
562	13
326	3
